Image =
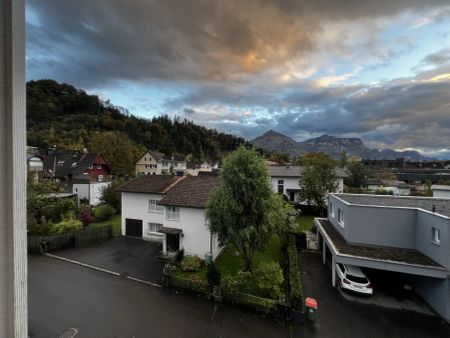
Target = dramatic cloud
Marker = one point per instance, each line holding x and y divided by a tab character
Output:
377	69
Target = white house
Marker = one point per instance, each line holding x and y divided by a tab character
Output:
193	168
170	210
285	180
441	191
156	163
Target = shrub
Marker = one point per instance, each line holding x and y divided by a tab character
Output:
213	274
104	212
191	263
232	284
65	226
85	215
295	288
269	278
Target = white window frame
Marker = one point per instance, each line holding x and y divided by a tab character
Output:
331	209
155	226
435	235
99	166
100	178
282	186
153	206
341	217
173	213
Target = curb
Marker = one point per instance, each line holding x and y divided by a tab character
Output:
102	270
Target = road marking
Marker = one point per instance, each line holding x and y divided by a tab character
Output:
102	270
145	282
83	264
70	333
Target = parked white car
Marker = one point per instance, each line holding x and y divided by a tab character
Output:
352	278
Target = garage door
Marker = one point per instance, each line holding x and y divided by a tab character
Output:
133	227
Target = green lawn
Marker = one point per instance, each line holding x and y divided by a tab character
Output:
229	262
115	221
304	223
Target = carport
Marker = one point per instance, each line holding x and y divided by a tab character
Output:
428	277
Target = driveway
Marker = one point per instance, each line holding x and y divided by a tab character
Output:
339	316
127	256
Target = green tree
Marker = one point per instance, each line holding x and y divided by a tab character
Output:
357	177
280	158
318	177
241	210
119	151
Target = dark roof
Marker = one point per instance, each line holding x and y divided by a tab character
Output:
295	171
150	184
156	155
192	191
408	256
441	205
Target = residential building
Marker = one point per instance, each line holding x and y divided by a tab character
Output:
193	168
392	186
406	235
85	174
285	180
170	210
156	163
441	191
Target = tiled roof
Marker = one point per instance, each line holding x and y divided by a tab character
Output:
192	191
401	255
150	184
67	162
441	205
295	171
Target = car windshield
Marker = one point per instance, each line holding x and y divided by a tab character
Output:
361	280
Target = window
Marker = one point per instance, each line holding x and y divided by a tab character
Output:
435	235
99	166
331	210
292	196
153	227
91	167
173	213
100	178
341	217
153	207
281	186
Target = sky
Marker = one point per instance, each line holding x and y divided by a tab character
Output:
374	69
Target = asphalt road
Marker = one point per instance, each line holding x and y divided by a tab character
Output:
63	296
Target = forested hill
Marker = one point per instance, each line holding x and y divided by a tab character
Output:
61	115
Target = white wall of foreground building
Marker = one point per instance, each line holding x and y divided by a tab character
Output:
196	238
90	191
13	241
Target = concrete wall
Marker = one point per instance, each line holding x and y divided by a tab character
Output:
436	292
439	252
82	190
95	192
441	193
375	225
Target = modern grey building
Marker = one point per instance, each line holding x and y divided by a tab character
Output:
409	235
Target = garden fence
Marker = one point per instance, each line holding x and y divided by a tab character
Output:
40	244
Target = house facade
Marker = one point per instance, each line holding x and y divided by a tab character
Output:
406	235
285	180
193	168
156	163
170	210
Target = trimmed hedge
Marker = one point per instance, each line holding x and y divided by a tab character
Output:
295	287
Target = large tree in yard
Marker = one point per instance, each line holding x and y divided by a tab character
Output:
317	178
243	210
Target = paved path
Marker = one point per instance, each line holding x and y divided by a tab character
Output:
340	317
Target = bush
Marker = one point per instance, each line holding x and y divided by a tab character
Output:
191	263
232	284
85	215
213	274
295	288
269	278
65	226
104	212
